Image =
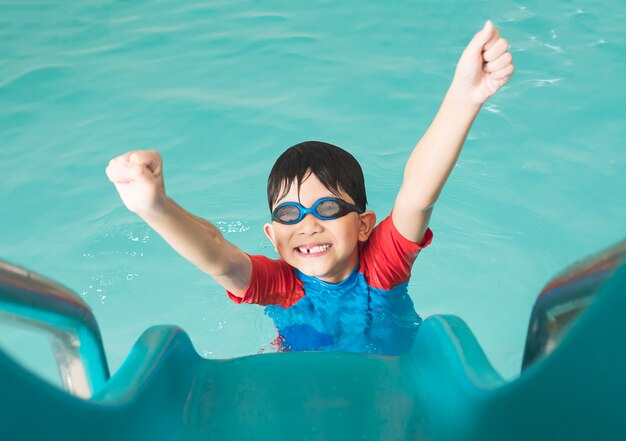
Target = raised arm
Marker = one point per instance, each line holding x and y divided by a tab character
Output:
138	178
483	68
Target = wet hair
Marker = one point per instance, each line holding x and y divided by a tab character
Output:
334	167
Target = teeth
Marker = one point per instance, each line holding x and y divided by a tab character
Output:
315	249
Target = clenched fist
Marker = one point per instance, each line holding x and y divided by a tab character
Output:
138	178
485	65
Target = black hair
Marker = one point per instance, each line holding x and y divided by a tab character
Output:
334	167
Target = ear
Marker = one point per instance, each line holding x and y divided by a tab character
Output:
367	221
268	229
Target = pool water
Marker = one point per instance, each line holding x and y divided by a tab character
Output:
222	88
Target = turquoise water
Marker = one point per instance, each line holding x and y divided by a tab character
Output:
222	88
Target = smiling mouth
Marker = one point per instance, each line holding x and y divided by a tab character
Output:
313	250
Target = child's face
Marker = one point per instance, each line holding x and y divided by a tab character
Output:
332	244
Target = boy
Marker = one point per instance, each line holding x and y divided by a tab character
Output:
340	282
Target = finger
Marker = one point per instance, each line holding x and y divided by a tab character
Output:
494	37
498	48
140	157
116	172
479	40
125	157
120	173
148	158
499	63
124	172
503	73
120	159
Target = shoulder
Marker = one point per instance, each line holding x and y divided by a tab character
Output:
386	257
273	281
385	235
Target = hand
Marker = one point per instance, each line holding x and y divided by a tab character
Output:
485	65
138	178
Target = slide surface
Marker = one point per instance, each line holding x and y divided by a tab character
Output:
443	389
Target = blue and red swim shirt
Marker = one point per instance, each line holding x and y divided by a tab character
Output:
369	312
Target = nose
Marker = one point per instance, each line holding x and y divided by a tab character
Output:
309	225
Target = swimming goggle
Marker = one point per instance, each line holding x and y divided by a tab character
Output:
290	213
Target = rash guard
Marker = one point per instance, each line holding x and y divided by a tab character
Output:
370	311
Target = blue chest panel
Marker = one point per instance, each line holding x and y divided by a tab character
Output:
349	316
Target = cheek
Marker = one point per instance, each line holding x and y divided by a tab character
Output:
281	238
347	232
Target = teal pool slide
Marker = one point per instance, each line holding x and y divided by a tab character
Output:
572	385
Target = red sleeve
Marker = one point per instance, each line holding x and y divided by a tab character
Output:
273	282
387	256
